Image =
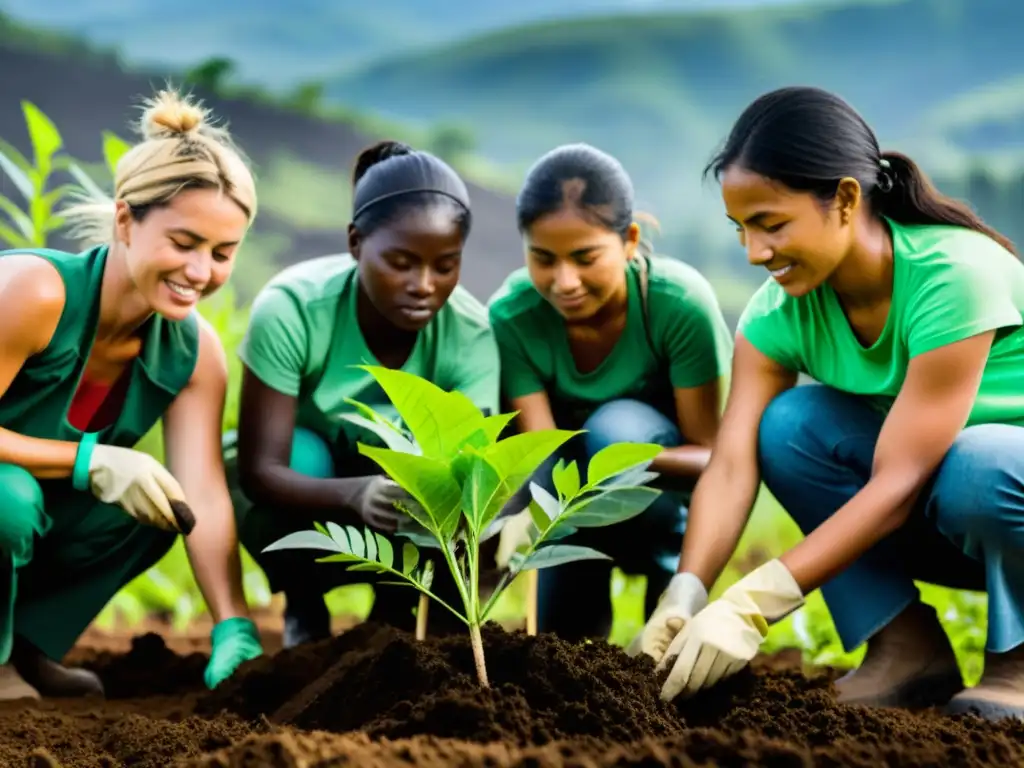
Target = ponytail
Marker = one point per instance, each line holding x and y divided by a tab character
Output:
906	195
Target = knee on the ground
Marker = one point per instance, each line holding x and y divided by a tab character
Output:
627	421
979	489
21	499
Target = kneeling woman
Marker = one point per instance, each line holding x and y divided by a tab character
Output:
96	348
394	301
596	335
906	461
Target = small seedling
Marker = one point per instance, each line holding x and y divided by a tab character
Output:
460	477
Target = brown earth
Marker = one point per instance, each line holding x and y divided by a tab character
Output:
372	696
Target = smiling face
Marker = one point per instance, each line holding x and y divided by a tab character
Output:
576	265
409	267
798	238
181	251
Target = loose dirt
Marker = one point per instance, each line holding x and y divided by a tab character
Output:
372	696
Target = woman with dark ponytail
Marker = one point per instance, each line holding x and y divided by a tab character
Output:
906	461
596	334
392	300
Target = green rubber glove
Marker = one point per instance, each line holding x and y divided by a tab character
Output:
234	641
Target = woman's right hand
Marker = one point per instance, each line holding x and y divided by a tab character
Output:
137	483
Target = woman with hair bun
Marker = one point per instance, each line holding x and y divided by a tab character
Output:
96	348
906	461
393	300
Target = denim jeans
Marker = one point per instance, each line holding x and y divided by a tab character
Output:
574	600
815	450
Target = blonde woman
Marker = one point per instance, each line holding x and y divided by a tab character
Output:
96	348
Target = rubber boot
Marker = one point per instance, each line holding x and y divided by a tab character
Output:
999	693
13	687
306	619
48	677
909	663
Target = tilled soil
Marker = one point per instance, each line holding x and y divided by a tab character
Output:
372	696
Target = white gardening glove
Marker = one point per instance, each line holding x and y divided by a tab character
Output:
514	533
137	483
723	637
684	596
374	500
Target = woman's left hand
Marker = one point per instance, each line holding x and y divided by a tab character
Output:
722	638
234	641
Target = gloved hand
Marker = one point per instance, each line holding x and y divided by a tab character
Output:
136	482
722	638
234	640
684	597
515	532
373	499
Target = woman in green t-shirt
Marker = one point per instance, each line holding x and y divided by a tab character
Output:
596	335
905	461
393	300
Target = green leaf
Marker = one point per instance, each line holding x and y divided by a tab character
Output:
45	137
439	421
322	528
114	148
618	457
19	218
631	478
391	437
539	516
545	500
556	554
410	558
385	553
367	566
482	496
610	507
516	458
495	424
85	181
305	540
566	479
20	178
427	480
371	545
13	239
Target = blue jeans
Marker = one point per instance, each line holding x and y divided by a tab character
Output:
574	600
815	449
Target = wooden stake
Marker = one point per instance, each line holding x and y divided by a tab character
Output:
531	602
421	617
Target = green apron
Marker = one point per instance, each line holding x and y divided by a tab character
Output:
63	553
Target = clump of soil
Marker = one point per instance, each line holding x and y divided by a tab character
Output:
375	697
149	668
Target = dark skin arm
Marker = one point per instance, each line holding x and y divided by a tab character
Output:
930	411
727	489
265	427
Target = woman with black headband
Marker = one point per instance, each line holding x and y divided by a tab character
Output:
392	300
906	462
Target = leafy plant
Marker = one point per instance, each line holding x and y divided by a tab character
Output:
460	477
30	226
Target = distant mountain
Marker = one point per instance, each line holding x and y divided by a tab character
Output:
279	43
660	90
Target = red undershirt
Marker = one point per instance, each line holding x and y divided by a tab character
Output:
98	404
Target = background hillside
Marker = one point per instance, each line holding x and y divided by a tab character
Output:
491	86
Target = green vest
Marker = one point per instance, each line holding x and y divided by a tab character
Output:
37	401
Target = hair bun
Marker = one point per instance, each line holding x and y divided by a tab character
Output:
170	115
377	153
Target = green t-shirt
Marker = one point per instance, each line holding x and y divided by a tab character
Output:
949	283
303	339
682	342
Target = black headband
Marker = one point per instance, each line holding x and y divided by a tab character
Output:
405	174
